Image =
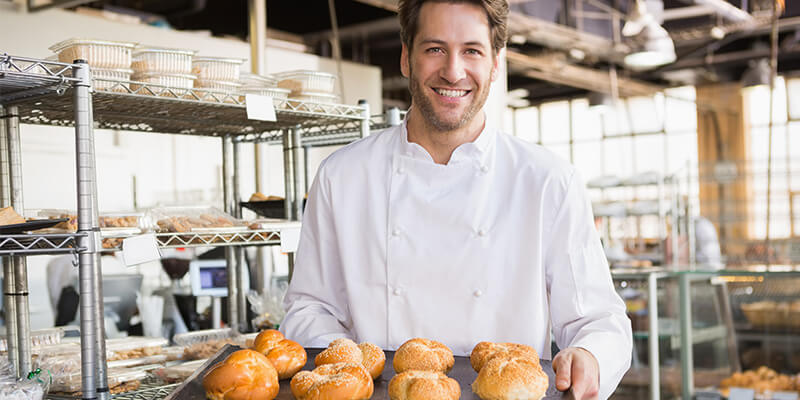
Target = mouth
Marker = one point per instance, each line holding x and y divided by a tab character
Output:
451	93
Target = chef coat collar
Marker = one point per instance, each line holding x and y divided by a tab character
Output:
477	150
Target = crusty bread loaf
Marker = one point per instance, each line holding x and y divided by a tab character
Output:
423	385
424	355
243	375
287	356
346	350
10	217
510	379
485	351
339	381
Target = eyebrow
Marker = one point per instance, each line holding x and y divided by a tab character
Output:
442	42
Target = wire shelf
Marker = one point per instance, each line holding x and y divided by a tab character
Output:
344	132
21	245
210	239
28	78
147	391
124	105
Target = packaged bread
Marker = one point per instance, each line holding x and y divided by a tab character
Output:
192	219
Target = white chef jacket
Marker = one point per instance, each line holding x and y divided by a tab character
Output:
496	245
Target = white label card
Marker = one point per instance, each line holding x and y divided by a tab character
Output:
140	249
784	396
741	394
260	107
290	237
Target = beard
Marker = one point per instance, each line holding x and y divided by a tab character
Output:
421	100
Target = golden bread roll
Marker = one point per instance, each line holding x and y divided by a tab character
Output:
339	381
346	350
424	355
287	356
485	351
243	375
511	378
423	385
10	217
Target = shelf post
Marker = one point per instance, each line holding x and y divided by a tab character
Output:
20	272
288	172
230	253
241	271
94	383
297	166
652	338
9	301
687	361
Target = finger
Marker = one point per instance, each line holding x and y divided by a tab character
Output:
562	365
584	385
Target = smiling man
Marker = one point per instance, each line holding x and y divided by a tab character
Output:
445	229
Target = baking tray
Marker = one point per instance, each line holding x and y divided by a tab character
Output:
268	208
30	226
192	387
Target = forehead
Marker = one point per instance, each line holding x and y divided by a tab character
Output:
453	23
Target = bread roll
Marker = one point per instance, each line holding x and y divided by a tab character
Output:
243	375
510	379
10	217
286	356
423	385
424	355
346	350
485	351
339	381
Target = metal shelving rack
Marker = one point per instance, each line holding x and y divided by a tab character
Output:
51	93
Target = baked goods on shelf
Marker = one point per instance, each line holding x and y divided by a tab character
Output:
258	196
762	380
346	350
423	385
199	351
483	352
287	356
511	378
10	217
339	381
191	219
424	355
243	375
773	314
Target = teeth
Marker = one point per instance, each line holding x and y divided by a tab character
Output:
451	93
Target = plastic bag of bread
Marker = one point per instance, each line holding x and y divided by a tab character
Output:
193	219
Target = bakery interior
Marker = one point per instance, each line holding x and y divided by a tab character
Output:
683	117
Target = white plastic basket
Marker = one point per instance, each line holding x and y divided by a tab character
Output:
98	53
161	60
307	81
216	68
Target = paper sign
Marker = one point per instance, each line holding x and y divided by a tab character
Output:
140	249
260	107
741	394
290	237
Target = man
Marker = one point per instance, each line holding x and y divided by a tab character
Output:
445	229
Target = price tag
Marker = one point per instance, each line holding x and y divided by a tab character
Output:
260	107
290	238
741	394
140	249
784	396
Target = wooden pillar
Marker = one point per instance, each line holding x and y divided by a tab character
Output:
723	138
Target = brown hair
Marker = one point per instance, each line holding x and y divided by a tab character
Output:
496	12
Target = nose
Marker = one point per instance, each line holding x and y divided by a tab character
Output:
453	69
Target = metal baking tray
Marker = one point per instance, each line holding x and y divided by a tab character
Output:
192	387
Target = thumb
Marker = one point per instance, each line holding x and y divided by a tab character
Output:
562	365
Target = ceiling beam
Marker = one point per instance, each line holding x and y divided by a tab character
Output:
554	68
390	5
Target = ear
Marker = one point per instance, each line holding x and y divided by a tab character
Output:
495	64
404	66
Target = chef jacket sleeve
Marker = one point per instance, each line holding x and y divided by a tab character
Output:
585	310
316	308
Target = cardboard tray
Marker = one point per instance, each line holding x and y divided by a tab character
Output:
192	388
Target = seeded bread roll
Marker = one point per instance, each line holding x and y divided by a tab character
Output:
424	355
510	379
485	351
286	356
346	350
339	381
243	375
423	385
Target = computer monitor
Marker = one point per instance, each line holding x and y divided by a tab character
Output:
209	277
119	296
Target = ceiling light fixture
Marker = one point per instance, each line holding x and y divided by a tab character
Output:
757	74
652	46
600	102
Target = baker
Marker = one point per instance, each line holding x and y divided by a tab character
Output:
447	229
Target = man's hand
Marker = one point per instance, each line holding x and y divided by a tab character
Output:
577	369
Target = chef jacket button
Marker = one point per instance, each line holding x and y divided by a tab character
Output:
477	293
401	170
484	168
396	232
482	232
397	292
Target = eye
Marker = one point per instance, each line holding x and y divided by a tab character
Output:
473	52
434	50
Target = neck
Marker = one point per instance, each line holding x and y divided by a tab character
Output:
441	144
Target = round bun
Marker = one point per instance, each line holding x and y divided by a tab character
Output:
511	378
346	350
287	356
485	351
423	385
340	381
423	355
243	375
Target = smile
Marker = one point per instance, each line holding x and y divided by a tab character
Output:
451	92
